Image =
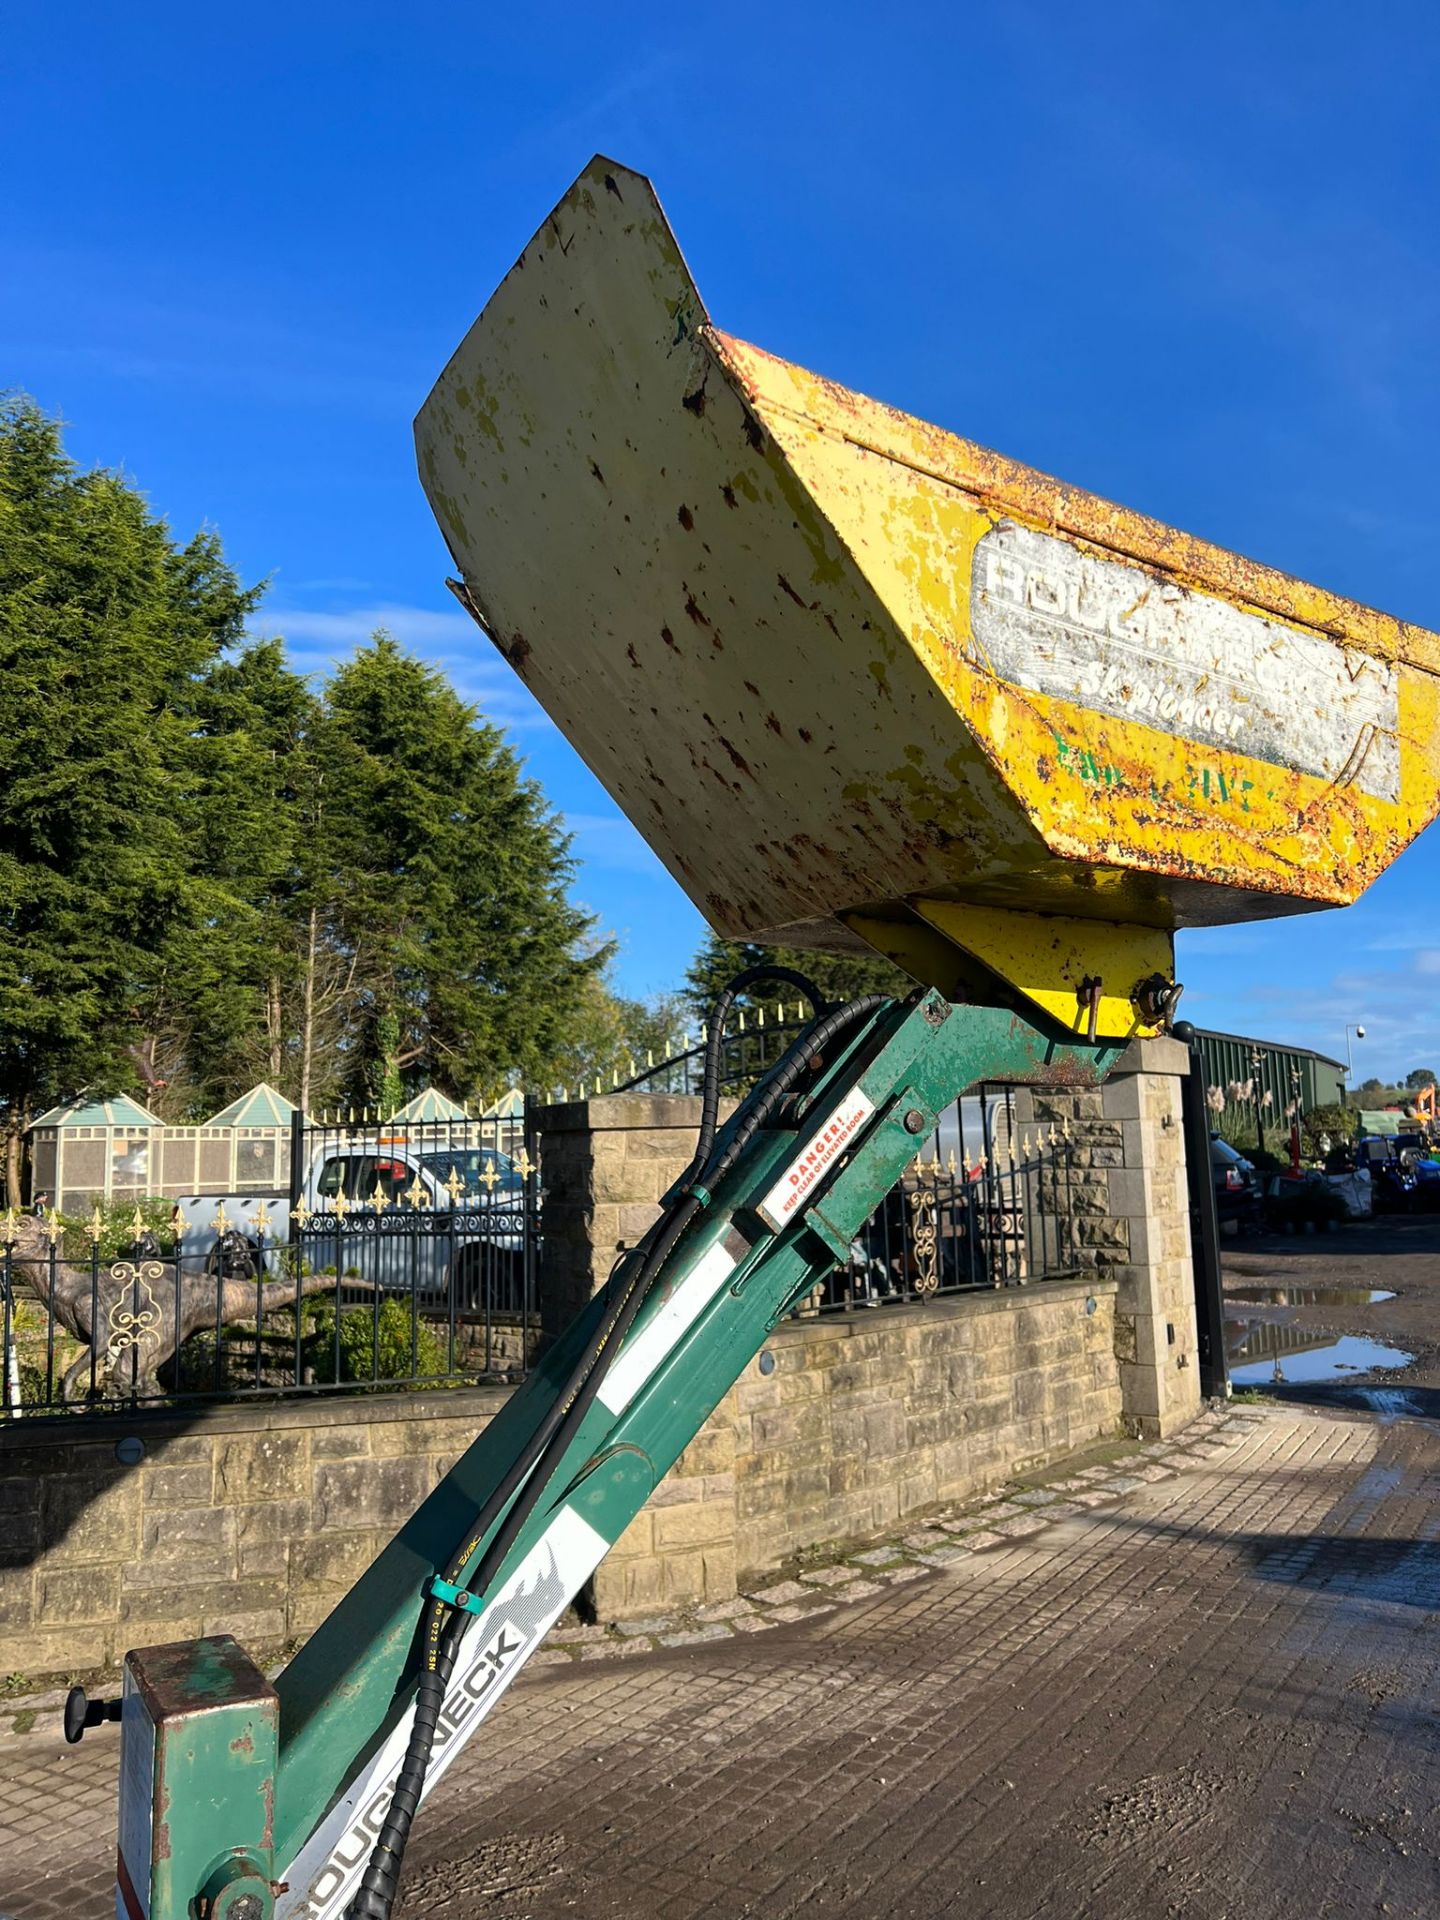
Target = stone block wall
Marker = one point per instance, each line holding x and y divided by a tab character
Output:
866	1419
248	1520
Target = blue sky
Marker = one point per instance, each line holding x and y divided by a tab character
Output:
1186	257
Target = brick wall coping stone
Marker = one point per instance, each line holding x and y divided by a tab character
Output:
477	1405
1160	1055
949	1306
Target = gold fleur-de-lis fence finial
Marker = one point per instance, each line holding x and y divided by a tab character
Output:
53	1228
523	1164
379	1199
222	1221
11	1226
137	1221
261	1219
342	1207
301	1213
95	1226
455	1187
416	1193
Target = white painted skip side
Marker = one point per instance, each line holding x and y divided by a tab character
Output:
1120	640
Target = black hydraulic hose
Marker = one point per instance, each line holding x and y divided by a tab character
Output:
714	1041
782	1081
444	1628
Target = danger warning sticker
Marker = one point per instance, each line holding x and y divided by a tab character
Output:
784	1200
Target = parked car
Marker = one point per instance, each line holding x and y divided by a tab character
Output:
1237	1191
443	1223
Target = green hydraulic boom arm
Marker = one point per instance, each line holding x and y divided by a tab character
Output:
238	1800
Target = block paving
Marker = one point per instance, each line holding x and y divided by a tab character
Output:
1212	1694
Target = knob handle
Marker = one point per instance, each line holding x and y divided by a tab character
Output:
82	1712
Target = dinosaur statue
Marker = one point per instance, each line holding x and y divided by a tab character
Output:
138	1313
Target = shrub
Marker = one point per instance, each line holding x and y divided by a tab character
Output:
372	1346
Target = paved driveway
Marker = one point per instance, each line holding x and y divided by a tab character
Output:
1217	1700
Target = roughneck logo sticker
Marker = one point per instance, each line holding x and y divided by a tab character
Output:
327	1868
784	1200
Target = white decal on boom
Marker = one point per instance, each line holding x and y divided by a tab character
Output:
327	1869
648	1346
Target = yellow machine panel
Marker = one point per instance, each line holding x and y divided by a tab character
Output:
855	678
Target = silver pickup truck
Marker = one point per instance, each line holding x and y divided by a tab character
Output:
446	1224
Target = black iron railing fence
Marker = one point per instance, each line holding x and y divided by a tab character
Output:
987	1203
400	1257
749	1050
409	1256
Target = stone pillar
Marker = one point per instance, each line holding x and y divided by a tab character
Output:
1129	1218
605	1164
1155	1334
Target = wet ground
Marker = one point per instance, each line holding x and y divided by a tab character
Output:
1349	1318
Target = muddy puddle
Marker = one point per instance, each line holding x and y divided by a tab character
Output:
1258	1296
1260	1353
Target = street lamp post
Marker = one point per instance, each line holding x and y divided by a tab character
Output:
1359	1033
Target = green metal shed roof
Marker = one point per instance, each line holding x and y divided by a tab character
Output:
262	1106
430	1104
118	1111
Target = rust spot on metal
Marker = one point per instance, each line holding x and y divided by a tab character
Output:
727	494
611	187
668	638
753	433
694	612
631	655
774	725
787	588
242	1743
805	734
686	519
695	402
597	473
